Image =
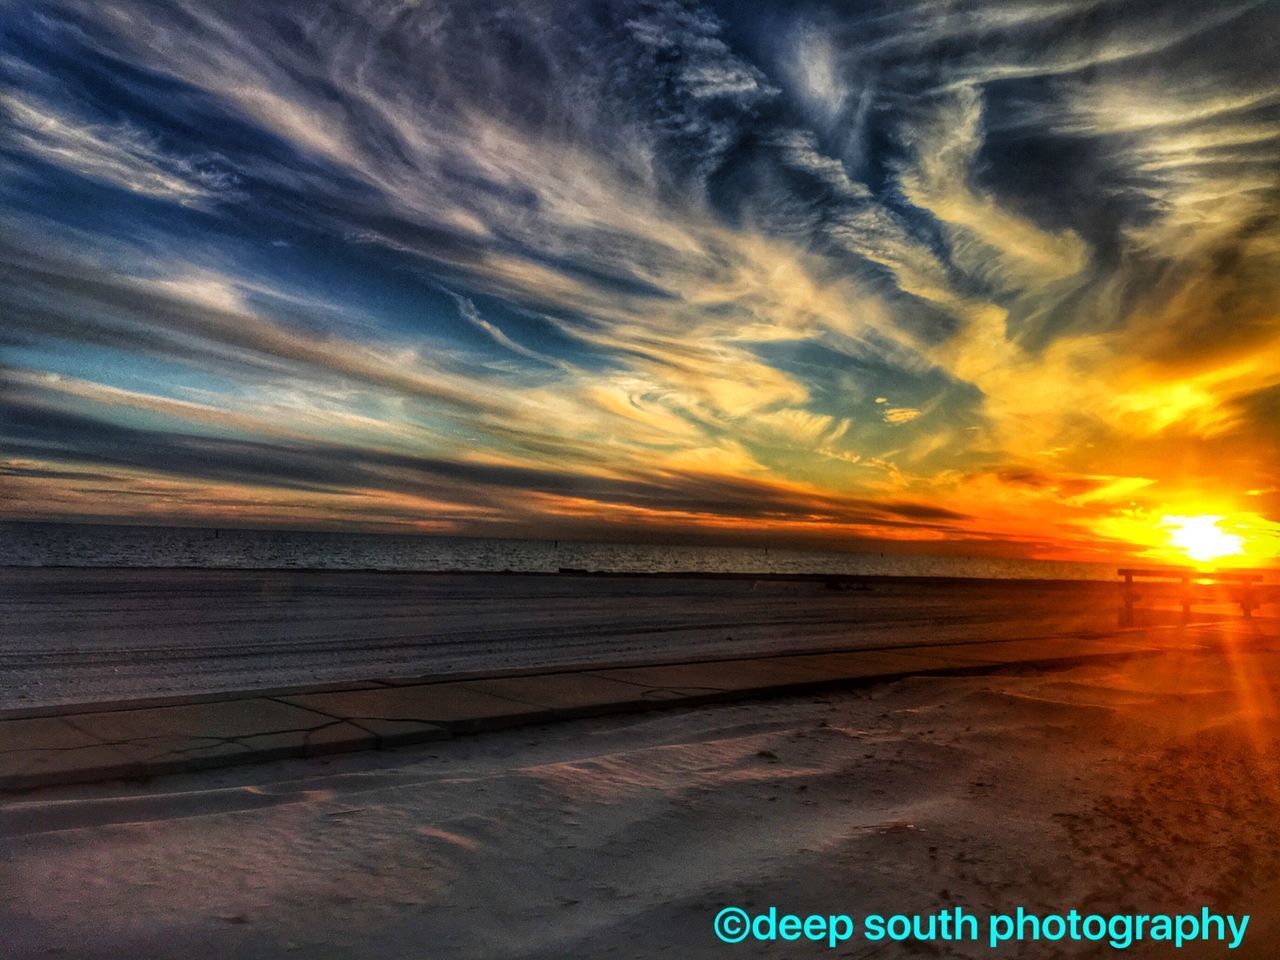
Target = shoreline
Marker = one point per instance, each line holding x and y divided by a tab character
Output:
927	579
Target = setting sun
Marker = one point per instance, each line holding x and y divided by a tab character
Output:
1179	534
1201	539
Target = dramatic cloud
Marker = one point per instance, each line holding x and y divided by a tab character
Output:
1000	272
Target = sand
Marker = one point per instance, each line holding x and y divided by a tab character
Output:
1149	786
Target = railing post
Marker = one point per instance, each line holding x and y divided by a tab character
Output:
1126	615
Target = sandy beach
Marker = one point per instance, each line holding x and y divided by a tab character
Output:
1149	786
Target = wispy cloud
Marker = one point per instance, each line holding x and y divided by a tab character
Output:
676	257
113	153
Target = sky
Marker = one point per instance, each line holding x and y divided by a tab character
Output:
991	277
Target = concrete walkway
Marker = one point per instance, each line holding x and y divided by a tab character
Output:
139	739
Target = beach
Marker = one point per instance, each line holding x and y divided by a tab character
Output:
1146	786
1135	785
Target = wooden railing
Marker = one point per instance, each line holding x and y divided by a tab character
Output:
1246	582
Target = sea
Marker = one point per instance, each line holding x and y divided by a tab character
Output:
102	545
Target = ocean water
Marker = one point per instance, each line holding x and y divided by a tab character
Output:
96	545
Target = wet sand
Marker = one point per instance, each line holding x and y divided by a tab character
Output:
76	635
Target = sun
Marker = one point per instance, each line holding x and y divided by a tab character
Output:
1180	534
1201	539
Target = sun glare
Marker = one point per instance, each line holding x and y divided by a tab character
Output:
1224	537
1201	539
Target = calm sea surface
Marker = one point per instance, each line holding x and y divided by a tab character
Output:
86	545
